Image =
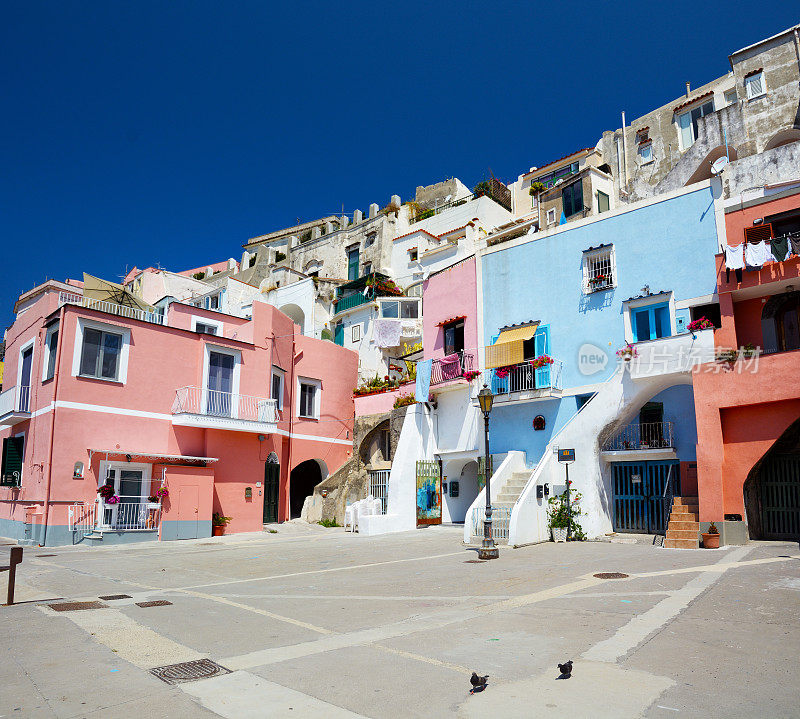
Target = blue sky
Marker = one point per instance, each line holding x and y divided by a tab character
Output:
171	132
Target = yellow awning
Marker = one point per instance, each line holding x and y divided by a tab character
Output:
509	349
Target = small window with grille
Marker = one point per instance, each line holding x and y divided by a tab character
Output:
599	269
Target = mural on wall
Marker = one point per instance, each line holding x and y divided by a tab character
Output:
429	493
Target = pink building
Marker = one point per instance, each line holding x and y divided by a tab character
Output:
236	416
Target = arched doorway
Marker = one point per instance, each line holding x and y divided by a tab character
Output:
772	490
296	315
780	323
462	488
304	477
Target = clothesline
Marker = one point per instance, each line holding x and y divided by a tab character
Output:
753	255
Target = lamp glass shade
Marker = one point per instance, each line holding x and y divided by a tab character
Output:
485	399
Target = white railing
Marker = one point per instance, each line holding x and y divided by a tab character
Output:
129	514
525	377
68	298
82	517
379	486
501	519
213	403
15	399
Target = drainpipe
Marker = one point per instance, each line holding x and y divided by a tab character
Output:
56	375
291	428
797	48
624	152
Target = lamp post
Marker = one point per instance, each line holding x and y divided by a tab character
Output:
488	549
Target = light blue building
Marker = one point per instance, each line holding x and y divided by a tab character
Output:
577	294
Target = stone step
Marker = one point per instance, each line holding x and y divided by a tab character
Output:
516	482
521	475
681	544
673	524
682	534
685	501
683	516
509	499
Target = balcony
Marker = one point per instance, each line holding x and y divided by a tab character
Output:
348	302
673	355
527	381
112	308
451	368
15	405
641	440
198	407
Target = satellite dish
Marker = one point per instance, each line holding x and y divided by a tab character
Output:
718	165
558	182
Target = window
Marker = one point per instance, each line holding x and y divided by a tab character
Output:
385	445
277	387
711	312
572	196
355	333
603	202
454	337
209	327
13	454
24	381
754	85
220	383
352	264
370	240
212	302
646	153
338	334
252	261
651	322
308	399
390	309
100	354
731	97
412	255
551	216
687	123
367	268
409	310
50	352
599	269
204	328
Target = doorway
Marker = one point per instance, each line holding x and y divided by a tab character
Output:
305	476
272	474
638	490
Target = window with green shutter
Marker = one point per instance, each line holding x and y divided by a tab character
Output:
12	461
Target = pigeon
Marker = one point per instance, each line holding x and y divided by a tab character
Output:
566	669
478	683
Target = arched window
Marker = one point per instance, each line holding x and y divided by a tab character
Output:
780	323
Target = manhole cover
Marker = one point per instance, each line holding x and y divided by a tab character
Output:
156	603
610	575
116	596
74	606
189	671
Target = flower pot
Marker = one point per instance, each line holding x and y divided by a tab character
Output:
711	541
153	505
219	530
559	534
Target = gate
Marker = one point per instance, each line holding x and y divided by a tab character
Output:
780	497
429	493
639	506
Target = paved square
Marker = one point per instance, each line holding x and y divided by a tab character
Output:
318	623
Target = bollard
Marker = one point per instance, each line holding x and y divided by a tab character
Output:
14	559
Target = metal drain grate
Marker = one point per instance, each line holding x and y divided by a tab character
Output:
189	671
610	575
74	606
40	556
156	603
473	561
116	596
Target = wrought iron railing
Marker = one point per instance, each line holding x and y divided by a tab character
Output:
112	308
643	435
525	377
379	486
213	403
452	367
129	514
501	520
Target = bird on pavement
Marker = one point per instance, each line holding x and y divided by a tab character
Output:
478	683
566	669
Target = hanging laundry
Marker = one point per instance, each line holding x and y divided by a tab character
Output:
780	247
756	254
386	332
423	386
733	257
795	241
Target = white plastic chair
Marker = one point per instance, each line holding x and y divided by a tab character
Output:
350	516
365	508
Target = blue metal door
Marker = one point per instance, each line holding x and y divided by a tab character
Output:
639	505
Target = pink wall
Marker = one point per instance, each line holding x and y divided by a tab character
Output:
381	402
446	294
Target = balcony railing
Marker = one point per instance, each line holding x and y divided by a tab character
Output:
129	514
452	367
524	377
350	301
213	403
112	308
643	435
15	405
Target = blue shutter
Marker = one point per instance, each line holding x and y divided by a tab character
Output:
541	346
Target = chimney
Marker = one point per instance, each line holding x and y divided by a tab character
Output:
688	89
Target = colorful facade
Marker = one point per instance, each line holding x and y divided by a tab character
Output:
240	417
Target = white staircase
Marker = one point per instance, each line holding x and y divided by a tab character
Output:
510	491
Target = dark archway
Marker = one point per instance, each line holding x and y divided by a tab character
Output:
305	476
784	137
772	490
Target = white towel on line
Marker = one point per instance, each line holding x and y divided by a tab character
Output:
386	332
757	253
733	257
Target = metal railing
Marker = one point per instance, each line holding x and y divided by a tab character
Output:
130	514
81	517
213	403
429	212
350	301
112	308
379	486
501	520
643	435
15	399
525	377
445	370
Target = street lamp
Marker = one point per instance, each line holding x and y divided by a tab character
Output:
488	549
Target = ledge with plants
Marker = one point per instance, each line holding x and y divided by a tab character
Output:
700	324
377	385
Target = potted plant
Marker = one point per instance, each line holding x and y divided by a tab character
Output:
471	374
106	491
627	353
541	361
711	537
700	324
562	513
218	522
154	500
